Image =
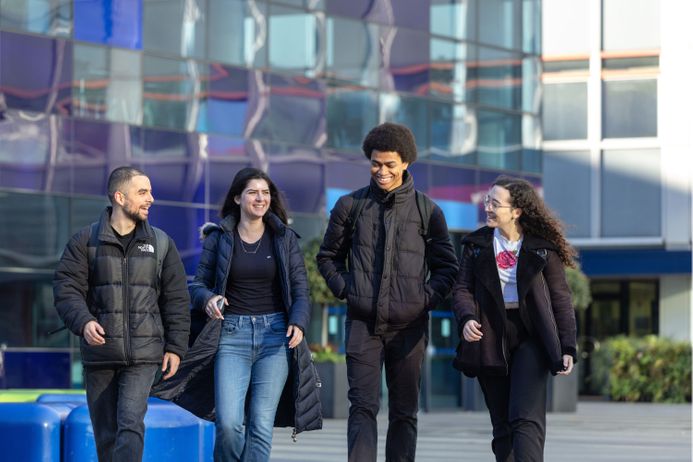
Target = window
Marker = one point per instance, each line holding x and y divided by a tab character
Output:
115	22
567	187
500	22
565	111
175	27
630	24
351	113
499	138
630	108
453	18
448	70
409	111
237	32
293	41
407	55
355	60
49	17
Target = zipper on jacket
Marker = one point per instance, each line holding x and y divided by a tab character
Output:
126	312
553	318
282	271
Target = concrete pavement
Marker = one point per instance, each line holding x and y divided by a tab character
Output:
597	432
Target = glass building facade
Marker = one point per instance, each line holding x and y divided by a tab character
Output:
191	91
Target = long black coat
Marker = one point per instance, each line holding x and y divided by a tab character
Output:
388	258
545	303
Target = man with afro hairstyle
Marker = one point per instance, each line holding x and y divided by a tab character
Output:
396	274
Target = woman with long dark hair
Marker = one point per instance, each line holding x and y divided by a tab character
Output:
515	316
251	276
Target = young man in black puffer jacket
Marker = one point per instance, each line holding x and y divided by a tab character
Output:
121	286
391	251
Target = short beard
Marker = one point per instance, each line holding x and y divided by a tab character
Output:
132	215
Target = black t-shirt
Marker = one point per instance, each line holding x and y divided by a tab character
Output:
126	239
253	285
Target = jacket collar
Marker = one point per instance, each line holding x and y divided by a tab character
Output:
229	223
398	195
143	229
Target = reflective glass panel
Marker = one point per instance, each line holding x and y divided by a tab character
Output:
630	24
295	111
237	32
357	59
300	174
171	92
110	22
182	224
295	41
25	140
531	143
107	84
48	17
452	183
531	85
411	14
453	132
175	27
497	79
500	23
499	140
41	84
351	113
317	5
448	70
406	58
409	111
630	108
565	111
567	187
531	26
631	204
454	18
229	102
347	171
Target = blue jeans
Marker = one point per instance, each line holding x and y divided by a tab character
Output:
252	359
117	399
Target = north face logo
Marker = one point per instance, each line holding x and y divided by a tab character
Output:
146	248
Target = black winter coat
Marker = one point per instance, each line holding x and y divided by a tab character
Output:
142	317
215	264
388	258
192	388
545	304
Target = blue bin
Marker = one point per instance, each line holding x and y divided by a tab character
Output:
30	432
171	434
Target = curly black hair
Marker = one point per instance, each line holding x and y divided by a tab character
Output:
391	137
536	218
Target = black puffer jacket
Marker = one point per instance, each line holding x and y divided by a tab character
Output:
545	305
142	317
192	388
386	281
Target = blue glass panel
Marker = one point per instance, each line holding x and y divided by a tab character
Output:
500	22
452	183
453	132
228	105
25	140
409	111
237	31
351	113
300	175
454	18
221	173
40	84
448	75
294	44
500	138
357	59
37	369
406	56
48	17
295	113
111	22
175	27
497	79
413	14
182	224
347	171
421	172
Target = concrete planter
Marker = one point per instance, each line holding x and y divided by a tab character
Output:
333	392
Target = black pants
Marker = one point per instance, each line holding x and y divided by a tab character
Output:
117	399
402	352
517	402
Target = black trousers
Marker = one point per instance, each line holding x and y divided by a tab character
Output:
517	402
402	352
117	400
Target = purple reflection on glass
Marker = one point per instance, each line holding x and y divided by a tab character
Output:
347	171
111	22
221	173
452	183
181	223
420	171
408	13
301	181
41	83
228	99
406	60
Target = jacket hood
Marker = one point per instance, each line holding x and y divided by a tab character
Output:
483	237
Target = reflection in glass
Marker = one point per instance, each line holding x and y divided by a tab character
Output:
531	143
237	32
107	84
531	85
565	111
289	97
300	174
357	59
499	140
25	142
113	22
182	224
567	186
453	132
452	183
448	73
171	91
497	79
406	58
296	41
499	22
531	26
351	113
409	111
175	27
454	18
48	17
226	108
630	108
41	84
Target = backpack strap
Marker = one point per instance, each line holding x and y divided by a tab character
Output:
425	206
161	249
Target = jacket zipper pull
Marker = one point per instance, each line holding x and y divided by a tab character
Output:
293	435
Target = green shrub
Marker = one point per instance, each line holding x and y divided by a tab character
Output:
326	354
649	369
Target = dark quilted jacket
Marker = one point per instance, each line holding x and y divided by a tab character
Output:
388	259
140	321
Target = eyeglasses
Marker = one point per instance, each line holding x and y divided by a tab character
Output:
489	204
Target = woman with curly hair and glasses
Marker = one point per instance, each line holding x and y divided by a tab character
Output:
514	312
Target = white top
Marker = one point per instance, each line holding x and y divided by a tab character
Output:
507	255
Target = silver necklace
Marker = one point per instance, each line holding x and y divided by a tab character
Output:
257	245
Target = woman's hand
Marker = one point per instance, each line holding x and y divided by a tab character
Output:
296	335
567	365
212	307
472	331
